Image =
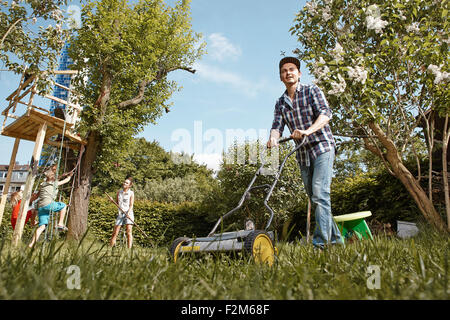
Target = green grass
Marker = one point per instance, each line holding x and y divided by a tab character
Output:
409	269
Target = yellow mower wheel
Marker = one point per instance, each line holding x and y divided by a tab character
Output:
260	246
176	246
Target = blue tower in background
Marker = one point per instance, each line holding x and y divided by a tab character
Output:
57	109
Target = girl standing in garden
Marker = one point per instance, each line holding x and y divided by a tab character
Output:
125	200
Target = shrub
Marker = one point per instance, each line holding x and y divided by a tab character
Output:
162	222
6	229
380	193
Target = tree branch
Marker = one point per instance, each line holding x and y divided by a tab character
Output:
143	86
9	30
137	99
385	141
372	148
353	135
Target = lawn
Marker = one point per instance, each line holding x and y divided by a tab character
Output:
385	268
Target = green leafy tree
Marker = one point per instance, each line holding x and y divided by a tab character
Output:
383	66
172	190
156	176
124	53
25	44
352	159
141	159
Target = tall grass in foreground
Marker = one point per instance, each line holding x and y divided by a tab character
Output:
409	269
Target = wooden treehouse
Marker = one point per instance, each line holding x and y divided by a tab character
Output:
37	124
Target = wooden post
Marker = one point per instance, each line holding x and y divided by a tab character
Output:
12	163
30	102
17	92
32	172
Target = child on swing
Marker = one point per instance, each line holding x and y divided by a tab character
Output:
46	204
125	200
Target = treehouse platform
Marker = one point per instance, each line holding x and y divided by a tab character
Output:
43	126
27	127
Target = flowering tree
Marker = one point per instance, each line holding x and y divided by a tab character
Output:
24	41
384	68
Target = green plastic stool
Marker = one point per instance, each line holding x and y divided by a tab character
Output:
354	224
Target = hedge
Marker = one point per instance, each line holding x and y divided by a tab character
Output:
6	230
382	194
162	222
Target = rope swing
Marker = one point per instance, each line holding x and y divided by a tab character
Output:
55	183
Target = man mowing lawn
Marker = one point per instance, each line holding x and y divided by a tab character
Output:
304	109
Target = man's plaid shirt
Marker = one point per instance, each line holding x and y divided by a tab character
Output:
309	102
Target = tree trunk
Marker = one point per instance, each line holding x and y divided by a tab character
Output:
419	195
80	203
78	217
402	173
445	139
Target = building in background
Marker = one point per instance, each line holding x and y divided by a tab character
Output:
60	110
18	178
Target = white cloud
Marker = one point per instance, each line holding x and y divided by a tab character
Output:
212	160
221	48
220	76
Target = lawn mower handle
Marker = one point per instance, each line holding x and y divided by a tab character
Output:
244	196
285	140
277	176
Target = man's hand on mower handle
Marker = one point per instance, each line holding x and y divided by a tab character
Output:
299	134
273	139
273	142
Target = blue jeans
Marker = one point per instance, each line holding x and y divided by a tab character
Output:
317	181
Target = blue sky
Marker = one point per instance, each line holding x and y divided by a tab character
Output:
233	92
